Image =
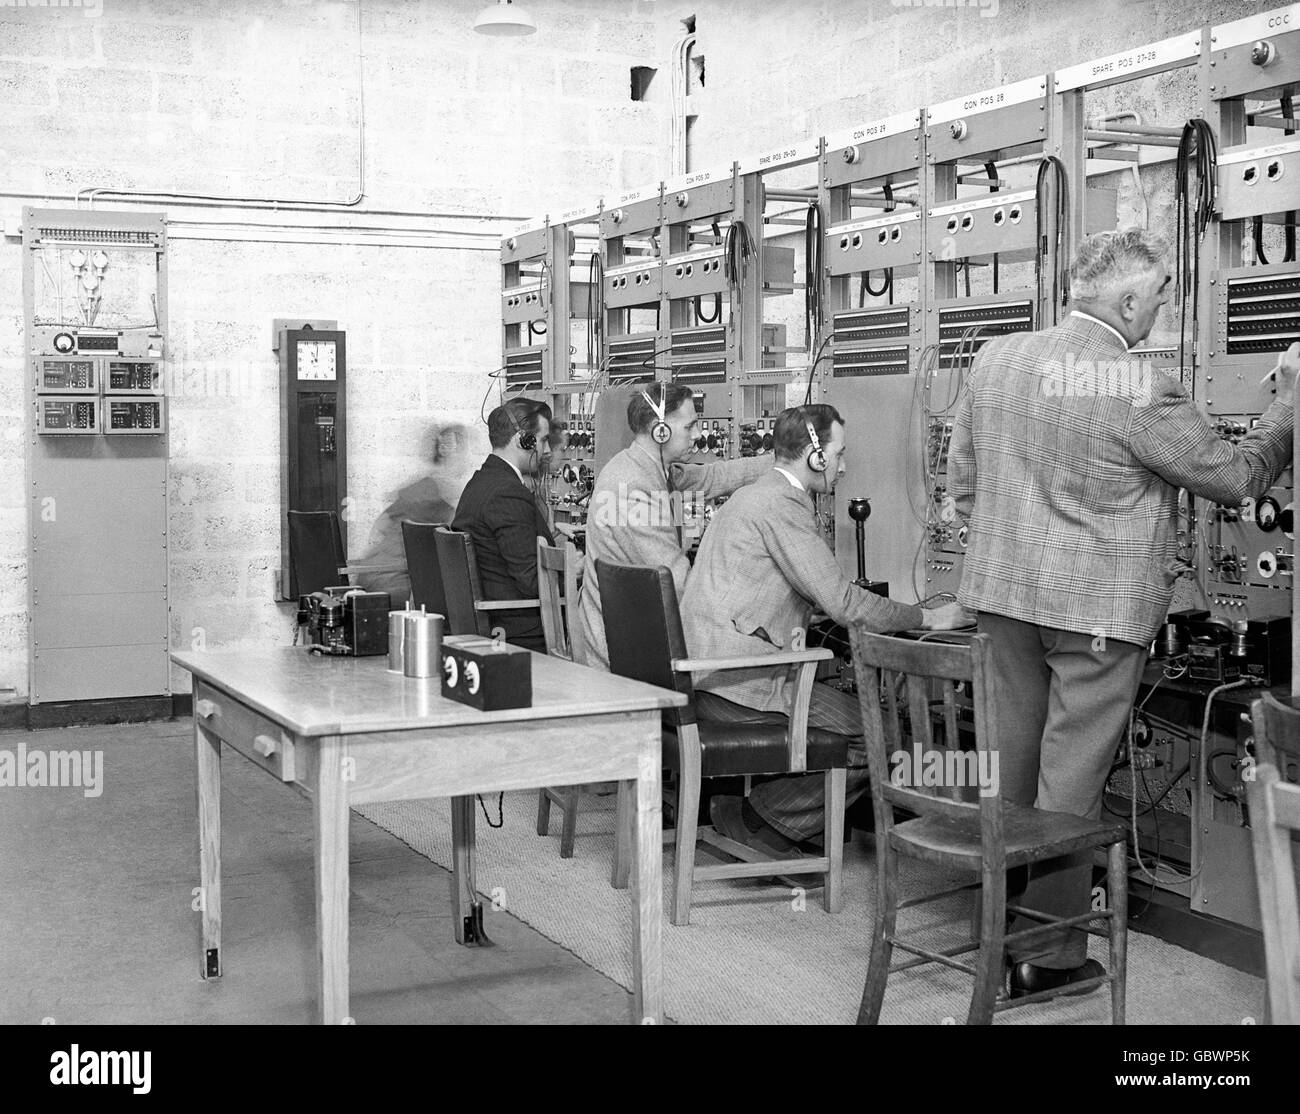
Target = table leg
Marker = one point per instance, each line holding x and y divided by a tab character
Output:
647	889
207	750
330	814
466	909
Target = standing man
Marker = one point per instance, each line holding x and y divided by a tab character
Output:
1066	459
501	513
634	515
762	570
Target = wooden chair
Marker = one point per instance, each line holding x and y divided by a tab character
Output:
316	556
420	543
557	587
1274	801
985	836
643	628
467	612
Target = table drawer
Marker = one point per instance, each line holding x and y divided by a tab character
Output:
257	738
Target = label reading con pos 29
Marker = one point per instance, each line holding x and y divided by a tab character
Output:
877	129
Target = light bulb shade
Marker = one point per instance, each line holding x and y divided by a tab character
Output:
504	18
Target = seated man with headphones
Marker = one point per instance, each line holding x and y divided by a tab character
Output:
634	514
762	570
500	511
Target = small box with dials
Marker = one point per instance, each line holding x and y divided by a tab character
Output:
67	376
67	415
133	377
134	415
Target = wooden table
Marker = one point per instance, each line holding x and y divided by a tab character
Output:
345	731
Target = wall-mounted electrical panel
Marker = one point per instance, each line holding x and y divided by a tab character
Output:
95	309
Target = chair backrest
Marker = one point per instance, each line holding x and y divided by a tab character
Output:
904	687
1274	805
421	548
461	586
557	588
315	551
643	629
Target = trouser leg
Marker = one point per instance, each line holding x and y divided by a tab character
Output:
795	805
1094	682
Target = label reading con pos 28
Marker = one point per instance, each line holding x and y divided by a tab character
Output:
1018	92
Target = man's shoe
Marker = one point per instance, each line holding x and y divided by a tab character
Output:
729	819
1026	978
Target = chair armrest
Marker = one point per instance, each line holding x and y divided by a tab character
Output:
797	732
349	570
806	660
505	605
788	657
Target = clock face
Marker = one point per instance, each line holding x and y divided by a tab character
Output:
316	359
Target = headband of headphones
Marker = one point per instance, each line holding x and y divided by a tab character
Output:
527	438
816	454
661	432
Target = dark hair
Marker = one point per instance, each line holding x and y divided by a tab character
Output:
790	435
519	415
641	415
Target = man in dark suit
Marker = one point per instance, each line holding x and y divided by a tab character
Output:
1066	460
501	513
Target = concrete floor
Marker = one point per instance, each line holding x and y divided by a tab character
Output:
95	908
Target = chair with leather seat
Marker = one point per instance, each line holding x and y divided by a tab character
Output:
466	611
967	828
316	551
316	554
419	541
1273	796
643	629
558	570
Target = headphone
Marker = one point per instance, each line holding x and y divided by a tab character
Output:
527	438
816	459
661	432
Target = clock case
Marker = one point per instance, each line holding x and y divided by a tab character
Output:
313	435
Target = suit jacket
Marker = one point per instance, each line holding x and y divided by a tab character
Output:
632	520
1066	459
762	569
505	521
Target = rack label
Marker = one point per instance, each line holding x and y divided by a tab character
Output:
580	215
1130	63
691	256
877	129
805	150
990	202
871	222
1018	92
697	178
631	197
628	268
1250	154
1253	27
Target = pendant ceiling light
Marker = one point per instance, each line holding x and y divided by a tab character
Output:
504	18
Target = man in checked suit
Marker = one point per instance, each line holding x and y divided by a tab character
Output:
762	569
1066	459
505	520
634	514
